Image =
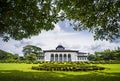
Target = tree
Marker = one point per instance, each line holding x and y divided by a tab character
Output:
91	57
3	55
16	57
22	58
101	17
24	18
31	57
108	55
28	49
10	56
6	55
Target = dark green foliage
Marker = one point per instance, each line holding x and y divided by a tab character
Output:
28	49
8	56
105	62
105	55
16	57
66	67
101	17
31	57
3	55
24	18
21	58
91	57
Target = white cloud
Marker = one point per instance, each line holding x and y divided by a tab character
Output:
57	28
82	41
102	45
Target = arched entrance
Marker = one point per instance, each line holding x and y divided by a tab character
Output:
56	57
65	57
60	57
52	58
69	57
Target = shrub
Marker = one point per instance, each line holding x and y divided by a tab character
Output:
66	67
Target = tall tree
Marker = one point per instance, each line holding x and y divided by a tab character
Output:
101	17
28	49
24	18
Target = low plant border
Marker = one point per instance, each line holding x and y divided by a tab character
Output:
67	67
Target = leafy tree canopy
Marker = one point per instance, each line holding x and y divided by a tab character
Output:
8	56
106	55
28	49
24	18
31	57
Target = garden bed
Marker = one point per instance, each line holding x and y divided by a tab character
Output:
67	67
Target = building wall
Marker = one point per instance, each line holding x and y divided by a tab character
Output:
74	56
82	58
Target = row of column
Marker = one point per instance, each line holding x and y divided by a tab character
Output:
60	57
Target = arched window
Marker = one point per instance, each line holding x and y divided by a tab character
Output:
60	57
56	57
65	57
52	58
69	57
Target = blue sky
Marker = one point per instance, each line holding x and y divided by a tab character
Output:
62	34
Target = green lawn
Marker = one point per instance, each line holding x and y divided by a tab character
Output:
23	72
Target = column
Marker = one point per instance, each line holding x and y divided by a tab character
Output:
54	57
77	58
62	57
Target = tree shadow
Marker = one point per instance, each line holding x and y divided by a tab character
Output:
16	75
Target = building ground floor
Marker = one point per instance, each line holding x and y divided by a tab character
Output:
60	54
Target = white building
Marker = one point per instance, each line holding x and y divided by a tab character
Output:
61	54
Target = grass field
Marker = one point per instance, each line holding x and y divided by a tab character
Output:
23	72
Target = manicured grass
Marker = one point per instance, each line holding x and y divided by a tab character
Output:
23	72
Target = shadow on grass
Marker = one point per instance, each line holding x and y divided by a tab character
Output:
15	75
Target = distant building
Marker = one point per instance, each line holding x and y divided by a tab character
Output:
61	54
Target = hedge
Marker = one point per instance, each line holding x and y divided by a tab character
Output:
66	67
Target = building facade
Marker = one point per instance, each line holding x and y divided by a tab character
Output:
60	54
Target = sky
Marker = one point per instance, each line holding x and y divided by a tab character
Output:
63	34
